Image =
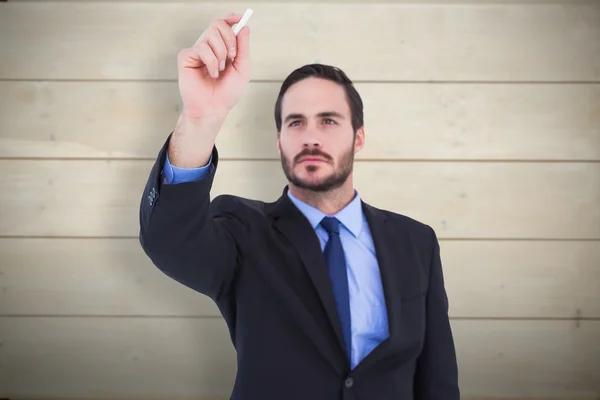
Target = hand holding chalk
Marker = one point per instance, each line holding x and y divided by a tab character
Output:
237	27
214	73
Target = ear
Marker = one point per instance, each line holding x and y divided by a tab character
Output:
359	140
278	143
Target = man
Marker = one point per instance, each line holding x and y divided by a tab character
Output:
326	297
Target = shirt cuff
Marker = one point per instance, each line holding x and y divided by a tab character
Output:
173	174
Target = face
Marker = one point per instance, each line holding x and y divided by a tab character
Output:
317	142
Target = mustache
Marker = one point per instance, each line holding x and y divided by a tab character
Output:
314	153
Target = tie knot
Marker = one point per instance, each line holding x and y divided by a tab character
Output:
331	225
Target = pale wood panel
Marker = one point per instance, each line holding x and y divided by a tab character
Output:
497	42
403	121
106	357
90	277
154	358
113	277
459	199
459	2
522	279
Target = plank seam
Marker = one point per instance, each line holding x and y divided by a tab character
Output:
357	160
183	316
441	238
355	81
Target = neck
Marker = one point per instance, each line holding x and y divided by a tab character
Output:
329	202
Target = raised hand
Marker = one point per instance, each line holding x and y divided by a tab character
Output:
213	74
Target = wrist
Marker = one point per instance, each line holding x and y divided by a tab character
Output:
203	127
193	140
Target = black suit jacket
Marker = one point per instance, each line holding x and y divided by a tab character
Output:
263	266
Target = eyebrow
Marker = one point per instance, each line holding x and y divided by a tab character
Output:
325	114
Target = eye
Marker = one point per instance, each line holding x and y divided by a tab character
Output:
329	121
293	123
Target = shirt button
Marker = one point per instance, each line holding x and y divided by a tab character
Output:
349	382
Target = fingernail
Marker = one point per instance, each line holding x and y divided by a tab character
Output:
221	65
232	52
215	73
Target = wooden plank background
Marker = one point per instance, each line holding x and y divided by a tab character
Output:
446	121
385	42
482	120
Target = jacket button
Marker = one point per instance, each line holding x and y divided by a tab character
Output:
349	382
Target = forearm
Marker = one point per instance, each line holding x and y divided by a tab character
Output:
188	237
193	140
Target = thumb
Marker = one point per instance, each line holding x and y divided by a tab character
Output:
242	59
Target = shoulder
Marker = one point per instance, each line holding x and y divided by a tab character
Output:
414	227
418	236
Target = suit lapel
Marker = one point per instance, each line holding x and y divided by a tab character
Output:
296	228
392	258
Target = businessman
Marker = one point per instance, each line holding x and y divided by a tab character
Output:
326	297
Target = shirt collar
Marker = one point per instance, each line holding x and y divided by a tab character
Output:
350	216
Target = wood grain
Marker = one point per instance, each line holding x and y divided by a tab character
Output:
103	277
457	2
402	121
391	42
482	118
460	200
169	357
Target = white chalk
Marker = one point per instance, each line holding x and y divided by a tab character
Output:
238	27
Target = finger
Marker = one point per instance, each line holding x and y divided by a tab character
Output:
201	55
188	58
230	19
233	18
216	43
228	37
209	58
242	61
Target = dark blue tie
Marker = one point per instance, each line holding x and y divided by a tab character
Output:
336	263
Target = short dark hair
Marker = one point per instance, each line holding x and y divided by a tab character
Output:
328	72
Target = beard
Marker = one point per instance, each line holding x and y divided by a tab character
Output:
327	183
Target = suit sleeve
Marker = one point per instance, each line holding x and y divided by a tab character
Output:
436	375
194	241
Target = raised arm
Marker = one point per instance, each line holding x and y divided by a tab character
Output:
195	241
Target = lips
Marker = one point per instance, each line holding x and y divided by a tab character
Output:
312	159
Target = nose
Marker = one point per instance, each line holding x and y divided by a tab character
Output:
311	139
311	144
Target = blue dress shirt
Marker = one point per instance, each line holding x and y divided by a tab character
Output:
367	303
